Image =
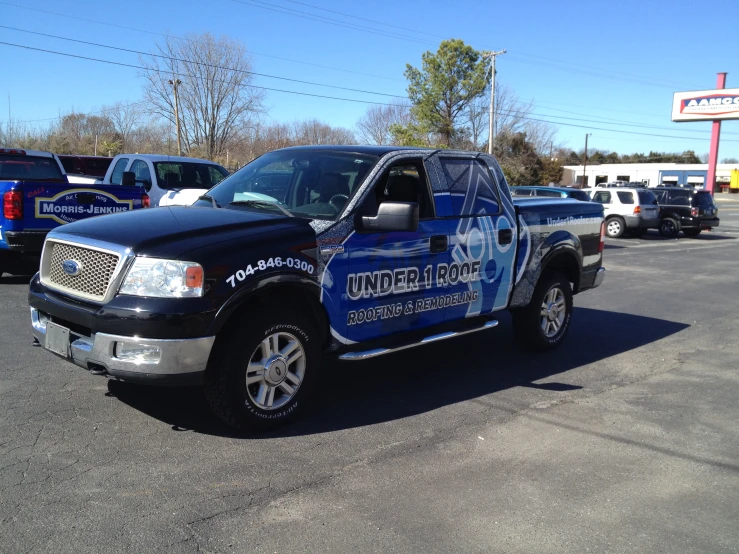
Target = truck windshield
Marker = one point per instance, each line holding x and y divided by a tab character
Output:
316	184
29	168
188	175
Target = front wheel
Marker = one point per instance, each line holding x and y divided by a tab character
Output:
692	233
543	324
615	227
262	371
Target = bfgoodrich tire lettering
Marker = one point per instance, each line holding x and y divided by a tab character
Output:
262	371
543	324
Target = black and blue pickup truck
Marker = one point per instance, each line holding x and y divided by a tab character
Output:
308	252
37	197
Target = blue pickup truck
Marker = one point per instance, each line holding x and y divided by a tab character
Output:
37	197
308	252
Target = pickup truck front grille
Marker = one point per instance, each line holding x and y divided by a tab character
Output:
96	270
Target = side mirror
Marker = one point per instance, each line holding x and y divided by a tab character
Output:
128	179
392	216
146	183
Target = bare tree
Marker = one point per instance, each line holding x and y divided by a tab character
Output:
312	131
216	99
374	126
125	116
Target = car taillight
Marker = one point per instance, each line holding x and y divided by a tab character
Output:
602	244
637	210
12	151
694	211
13	205
145	201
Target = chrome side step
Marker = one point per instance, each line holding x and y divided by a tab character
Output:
352	356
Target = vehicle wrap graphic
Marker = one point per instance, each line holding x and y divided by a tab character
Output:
75	204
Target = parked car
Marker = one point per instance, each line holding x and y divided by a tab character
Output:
612	184
85	169
168	180
373	249
37	197
687	210
627	210
551	192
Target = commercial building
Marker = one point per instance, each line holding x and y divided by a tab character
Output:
652	175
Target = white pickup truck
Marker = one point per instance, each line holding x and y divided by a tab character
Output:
168	180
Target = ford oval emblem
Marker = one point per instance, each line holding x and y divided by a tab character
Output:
71	267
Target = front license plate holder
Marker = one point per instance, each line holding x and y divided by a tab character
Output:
57	339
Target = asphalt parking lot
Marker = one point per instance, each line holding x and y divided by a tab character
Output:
624	440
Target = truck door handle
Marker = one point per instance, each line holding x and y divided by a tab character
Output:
505	236
439	243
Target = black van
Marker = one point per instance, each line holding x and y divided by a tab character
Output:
686	210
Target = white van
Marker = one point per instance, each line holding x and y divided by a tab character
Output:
168	180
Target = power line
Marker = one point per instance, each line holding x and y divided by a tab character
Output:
122	64
119	48
127	28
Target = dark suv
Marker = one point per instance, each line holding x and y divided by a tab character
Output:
686	210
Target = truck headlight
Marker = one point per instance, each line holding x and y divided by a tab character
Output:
163	279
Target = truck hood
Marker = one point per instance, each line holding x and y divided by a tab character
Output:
171	230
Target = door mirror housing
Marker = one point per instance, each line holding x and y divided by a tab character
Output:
392	216
128	179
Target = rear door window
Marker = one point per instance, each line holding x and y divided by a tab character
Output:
678	198
471	186
625	197
141	169
117	175
518	191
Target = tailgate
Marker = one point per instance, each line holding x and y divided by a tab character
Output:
46	206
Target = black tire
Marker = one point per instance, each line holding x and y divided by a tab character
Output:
669	228
615	227
226	389
528	322
692	233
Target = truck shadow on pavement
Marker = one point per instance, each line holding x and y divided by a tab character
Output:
354	394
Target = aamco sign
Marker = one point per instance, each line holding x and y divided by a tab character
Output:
706	105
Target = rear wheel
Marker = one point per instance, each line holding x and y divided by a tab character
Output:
615	227
691	232
669	228
261	372
543	324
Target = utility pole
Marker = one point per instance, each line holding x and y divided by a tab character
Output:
491	132
175	83
585	165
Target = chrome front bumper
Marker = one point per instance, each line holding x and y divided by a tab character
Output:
176	357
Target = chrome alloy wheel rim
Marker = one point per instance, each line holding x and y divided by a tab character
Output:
553	311
275	371
614	227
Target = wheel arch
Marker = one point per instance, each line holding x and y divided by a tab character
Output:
564	260
300	294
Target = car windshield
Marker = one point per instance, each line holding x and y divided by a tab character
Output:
647	197
703	200
315	184
580	195
29	168
188	175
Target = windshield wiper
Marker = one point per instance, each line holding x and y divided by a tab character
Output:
209	198
261	204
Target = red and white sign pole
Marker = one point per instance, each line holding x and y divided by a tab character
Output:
715	134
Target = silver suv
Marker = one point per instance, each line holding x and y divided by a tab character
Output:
627	210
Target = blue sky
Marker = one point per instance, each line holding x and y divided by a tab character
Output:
607	62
